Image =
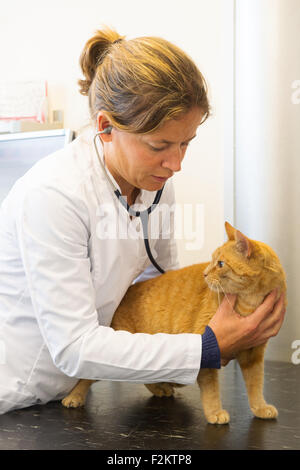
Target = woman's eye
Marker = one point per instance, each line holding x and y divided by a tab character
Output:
221	264
160	149
156	149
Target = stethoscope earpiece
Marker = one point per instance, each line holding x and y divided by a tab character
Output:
107	130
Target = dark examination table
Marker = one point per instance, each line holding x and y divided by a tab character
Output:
125	416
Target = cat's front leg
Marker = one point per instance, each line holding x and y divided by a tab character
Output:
252	366
210	395
78	394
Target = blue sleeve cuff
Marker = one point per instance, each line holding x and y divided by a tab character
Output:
211	357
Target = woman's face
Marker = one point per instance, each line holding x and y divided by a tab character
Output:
146	161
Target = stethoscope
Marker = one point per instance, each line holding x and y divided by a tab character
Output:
144	215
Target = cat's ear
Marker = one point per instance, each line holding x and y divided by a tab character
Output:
243	244
230	231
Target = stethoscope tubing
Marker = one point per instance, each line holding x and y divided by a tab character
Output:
144	215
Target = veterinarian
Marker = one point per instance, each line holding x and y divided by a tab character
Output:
63	269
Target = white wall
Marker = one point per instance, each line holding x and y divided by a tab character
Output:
245	158
267	166
44	40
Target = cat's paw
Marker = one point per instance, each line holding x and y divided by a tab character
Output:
161	389
218	417
265	411
74	400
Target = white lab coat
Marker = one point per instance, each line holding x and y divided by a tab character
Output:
61	281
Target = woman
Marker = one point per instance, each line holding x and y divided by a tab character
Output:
63	271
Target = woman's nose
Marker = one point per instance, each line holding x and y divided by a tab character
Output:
173	161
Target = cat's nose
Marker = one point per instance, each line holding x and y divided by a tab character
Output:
204	274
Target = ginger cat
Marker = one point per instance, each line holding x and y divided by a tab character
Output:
184	301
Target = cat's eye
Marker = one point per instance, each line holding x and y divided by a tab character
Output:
221	264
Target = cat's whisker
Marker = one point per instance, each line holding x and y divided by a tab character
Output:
211	293
225	295
214	285
217	286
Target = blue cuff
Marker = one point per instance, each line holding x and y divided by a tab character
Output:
211	357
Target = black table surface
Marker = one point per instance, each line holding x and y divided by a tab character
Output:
120	416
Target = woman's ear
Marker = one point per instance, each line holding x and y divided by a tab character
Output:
103	123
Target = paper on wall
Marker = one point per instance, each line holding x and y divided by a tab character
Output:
23	100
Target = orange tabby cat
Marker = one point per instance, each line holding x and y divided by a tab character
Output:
184	301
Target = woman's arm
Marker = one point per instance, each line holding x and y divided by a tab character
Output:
53	231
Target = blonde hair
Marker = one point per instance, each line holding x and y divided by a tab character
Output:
139	83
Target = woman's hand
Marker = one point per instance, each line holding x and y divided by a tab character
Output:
235	333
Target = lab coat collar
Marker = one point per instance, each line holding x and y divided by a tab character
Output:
144	199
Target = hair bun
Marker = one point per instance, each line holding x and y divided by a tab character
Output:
93	54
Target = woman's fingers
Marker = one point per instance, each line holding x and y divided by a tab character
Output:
279	313
269	301
265	309
268	318
236	333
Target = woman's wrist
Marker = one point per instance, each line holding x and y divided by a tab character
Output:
211	357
